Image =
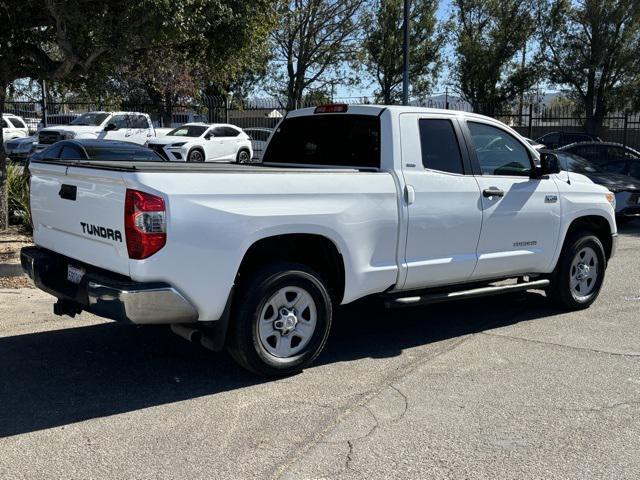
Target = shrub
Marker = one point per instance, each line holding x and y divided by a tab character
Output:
18	193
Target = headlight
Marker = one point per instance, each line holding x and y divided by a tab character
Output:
611	198
177	144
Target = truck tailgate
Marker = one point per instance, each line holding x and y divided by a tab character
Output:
79	212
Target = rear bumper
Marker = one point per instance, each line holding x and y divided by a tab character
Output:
106	294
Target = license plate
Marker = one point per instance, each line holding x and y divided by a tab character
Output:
75	274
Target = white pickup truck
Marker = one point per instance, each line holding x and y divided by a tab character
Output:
132	127
412	205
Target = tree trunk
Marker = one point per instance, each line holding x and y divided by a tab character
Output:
4	201
167	111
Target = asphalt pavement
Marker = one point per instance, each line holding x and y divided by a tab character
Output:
501	388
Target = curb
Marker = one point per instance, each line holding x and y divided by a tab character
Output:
11	270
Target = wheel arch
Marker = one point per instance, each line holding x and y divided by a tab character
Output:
200	149
596	224
314	250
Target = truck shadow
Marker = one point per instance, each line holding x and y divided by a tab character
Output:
58	377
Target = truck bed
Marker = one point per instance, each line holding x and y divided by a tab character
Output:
217	167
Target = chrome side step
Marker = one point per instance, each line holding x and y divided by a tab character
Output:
428	298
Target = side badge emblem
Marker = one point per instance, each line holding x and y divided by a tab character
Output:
551	199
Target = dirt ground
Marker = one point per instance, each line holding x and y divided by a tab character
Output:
11	241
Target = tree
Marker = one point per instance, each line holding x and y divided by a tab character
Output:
593	46
59	40
384	45
82	42
314	41
489	36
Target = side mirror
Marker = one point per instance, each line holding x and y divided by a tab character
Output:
549	164
110	127
208	136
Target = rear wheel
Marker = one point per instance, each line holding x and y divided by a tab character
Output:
282	320
243	156
579	274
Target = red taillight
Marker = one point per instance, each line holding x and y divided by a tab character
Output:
144	224
332	108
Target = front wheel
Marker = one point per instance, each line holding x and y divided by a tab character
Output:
282	320
195	156
579	274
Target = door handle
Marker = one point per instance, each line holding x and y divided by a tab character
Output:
410	194
68	192
492	192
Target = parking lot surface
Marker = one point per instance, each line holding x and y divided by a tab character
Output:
507	387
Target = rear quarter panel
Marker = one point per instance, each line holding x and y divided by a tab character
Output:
213	219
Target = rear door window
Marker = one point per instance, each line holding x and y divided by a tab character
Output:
339	140
439	145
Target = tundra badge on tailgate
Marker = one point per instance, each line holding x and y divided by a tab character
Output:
102	232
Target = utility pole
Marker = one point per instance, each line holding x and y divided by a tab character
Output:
43	86
405	55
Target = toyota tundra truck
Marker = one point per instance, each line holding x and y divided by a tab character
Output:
409	205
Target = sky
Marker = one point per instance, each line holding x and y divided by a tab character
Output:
443	13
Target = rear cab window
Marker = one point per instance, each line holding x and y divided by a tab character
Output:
331	140
440	147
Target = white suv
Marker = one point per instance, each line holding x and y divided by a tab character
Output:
13	127
201	142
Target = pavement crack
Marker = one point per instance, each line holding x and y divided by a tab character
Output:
561	345
406	401
395	377
349	459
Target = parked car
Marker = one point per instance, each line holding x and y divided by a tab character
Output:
259	138
555	140
201	142
625	188
534	144
610	156
19	149
57	119
256	257
12	127
91	150
132	127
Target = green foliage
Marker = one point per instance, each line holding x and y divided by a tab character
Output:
314	41
593	47
384	46
18	193
490	35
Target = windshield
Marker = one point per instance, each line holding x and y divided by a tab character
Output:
573	163
188	131
90	119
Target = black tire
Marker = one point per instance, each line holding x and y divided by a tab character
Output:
243	156
244	342
560	291
196	156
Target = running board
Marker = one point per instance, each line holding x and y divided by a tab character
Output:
429	298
